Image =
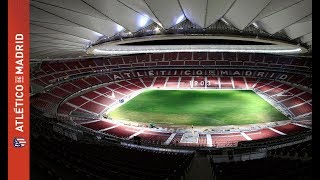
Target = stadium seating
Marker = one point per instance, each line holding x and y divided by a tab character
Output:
51	72
89	87
255	169
96	100
99	161
270	88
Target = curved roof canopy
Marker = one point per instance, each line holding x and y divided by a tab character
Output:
66	28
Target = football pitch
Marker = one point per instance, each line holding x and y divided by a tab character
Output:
198	108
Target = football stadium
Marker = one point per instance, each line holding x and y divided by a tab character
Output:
171	89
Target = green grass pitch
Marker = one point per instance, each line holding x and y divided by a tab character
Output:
198	108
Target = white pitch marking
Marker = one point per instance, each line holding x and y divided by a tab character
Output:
167	142
246	136
105	129
279	132
137	133
209	140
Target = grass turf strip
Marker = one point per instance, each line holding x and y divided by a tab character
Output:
198	108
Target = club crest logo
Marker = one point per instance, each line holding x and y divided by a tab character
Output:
19	142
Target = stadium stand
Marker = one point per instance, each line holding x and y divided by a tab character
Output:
77	93
171	90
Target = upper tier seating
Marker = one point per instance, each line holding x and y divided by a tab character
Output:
51	71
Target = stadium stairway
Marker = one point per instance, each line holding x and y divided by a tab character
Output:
200	168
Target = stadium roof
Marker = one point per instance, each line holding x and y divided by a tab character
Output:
66	28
